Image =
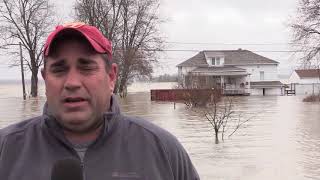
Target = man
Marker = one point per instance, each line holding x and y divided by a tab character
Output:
81	120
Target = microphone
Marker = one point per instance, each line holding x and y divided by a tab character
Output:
67	169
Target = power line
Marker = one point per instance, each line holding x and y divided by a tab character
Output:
193	50
242	44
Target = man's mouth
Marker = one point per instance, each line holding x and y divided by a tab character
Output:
74	103
74	99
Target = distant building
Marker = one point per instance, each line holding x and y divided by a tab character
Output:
305	76
234	71
306	81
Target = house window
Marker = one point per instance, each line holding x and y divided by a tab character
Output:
261	75
215	61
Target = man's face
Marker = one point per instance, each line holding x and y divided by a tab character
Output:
78	87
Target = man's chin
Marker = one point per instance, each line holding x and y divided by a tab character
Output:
76	116
76	127
75	119
79	123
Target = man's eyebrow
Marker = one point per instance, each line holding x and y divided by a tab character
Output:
86	61
60	62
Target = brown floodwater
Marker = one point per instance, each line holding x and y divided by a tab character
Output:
280	141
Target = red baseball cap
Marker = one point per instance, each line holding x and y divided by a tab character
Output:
97	40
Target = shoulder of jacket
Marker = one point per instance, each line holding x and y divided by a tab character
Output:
167	139
19	127
16	129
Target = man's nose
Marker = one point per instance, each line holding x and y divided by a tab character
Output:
73	80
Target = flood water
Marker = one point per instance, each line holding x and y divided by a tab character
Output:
281	140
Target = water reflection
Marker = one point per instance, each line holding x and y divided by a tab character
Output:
282	141
307	139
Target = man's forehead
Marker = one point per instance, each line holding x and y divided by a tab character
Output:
75	59
67	41
72	47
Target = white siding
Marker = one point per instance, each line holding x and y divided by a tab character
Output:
186	70
182	72
268	92
208	59
294	78
270	72
256	92
309	80
222	61
273	92
307	89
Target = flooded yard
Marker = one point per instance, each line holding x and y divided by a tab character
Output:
282	141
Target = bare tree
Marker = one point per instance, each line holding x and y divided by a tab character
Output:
218	110
26	21
222	117
306	31
133	27
103	14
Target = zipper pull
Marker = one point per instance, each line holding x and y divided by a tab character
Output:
82	167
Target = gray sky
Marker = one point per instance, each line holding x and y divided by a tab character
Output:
255	25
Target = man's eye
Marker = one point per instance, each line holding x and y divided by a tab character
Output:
88	68
58	69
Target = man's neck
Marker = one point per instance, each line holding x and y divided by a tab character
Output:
78	138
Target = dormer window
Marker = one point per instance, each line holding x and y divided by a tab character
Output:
216	61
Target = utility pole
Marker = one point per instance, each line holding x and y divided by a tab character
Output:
22	73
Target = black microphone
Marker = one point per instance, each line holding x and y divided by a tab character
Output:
67	169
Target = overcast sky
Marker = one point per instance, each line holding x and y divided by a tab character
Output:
256	25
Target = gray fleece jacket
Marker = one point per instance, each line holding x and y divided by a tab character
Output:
127	149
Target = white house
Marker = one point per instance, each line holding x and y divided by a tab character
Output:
235	71
305	76
306	81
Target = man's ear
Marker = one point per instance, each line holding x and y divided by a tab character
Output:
43	73
113	72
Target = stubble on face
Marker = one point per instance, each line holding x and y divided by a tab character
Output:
77	88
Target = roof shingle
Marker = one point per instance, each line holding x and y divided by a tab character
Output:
308	73
232	57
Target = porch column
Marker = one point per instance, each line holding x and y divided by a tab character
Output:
207	82
249	81
222	82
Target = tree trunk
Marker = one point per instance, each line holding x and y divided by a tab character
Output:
217	136
116	87
122	87
34	84
123	84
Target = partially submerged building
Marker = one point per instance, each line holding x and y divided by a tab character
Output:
234	71
306	81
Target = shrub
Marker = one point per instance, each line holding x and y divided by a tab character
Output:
312	98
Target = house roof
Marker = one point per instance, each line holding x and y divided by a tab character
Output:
232	57
266	84
197	60
218	71
308	73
